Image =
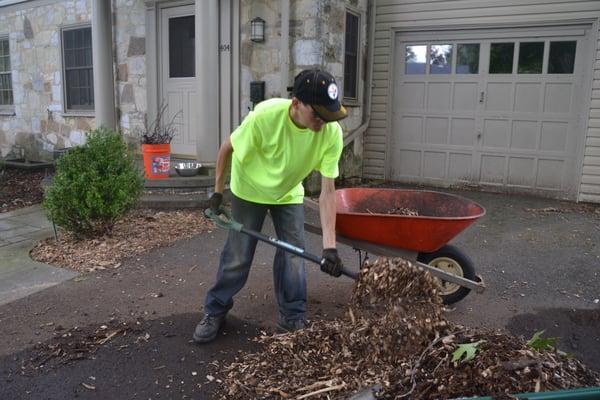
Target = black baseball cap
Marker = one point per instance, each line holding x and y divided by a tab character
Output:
319	89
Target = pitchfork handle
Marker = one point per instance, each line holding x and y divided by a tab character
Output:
225	221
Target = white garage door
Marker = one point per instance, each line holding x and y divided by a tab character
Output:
498	107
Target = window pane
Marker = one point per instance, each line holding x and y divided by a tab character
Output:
182	56
415	59
467	58
440	59
531	57
351	56
68	39
501	58
562	57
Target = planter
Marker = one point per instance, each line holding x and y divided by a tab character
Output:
157	160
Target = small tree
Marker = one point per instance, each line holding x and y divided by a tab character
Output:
94	185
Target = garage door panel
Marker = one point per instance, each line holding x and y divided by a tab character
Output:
411	129
460	167
557	98
436	130
521	171
498	96
438	96
409	163
549	174
496	133
462	132
492	169
465	96
554	136
415	98
527	97
524	135
434	165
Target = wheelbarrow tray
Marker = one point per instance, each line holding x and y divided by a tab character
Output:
362	214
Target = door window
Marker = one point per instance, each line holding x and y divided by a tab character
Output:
467	58
531	57
501	58
562	57
415	59
182	48
440	59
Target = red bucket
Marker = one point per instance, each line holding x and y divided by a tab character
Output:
157	160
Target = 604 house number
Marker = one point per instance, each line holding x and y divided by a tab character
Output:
224	47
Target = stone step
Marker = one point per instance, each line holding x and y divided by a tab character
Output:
172	201
198	181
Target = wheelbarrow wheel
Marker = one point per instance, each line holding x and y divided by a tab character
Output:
452	260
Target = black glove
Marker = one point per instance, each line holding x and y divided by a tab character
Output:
215	202
331	262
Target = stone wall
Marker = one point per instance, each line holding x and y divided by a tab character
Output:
40	124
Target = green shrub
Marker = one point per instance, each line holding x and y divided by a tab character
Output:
94	185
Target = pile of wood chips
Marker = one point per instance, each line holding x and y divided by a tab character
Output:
394	335
136	233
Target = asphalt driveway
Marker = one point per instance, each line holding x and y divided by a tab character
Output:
540	260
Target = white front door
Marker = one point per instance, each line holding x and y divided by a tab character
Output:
492	107
178	88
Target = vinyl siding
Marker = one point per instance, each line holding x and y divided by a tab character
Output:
420	15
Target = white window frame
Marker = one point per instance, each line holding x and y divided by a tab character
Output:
8	109
354	100
72	111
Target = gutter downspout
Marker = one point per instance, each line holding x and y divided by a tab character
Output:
285	46
369	77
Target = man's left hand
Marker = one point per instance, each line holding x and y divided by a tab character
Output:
331	262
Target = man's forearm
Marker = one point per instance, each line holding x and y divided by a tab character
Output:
223	161
327	212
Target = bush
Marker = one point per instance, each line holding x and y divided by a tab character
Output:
94	185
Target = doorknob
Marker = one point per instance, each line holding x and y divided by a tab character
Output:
481	97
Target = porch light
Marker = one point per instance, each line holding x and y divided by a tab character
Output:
257	33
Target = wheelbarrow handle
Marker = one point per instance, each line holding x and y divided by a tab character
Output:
224	220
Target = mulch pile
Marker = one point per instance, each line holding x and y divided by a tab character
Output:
136	233
394	335
19	188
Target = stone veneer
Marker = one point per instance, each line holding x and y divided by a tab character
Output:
39	124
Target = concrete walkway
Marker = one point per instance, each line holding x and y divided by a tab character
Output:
20	276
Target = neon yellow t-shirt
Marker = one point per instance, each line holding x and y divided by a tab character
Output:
272	156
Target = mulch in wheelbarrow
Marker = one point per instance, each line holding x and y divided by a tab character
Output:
394	334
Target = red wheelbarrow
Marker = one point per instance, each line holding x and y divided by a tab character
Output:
364	222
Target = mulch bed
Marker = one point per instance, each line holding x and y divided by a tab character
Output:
20	188
136	233
394	335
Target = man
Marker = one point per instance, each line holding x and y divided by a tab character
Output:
278	145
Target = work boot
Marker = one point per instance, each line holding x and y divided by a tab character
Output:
207	329
285	325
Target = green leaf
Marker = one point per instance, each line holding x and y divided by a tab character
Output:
537	342
466	349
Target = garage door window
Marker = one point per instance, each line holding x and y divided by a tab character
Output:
531	58
440	59
415	59
501	58
467	58
562	57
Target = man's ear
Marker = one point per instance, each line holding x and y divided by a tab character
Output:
295	102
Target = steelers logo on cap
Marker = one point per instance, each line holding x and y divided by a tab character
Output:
332	91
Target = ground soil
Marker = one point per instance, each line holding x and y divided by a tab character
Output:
20	188
126	332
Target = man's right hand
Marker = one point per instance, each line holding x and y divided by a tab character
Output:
215	201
